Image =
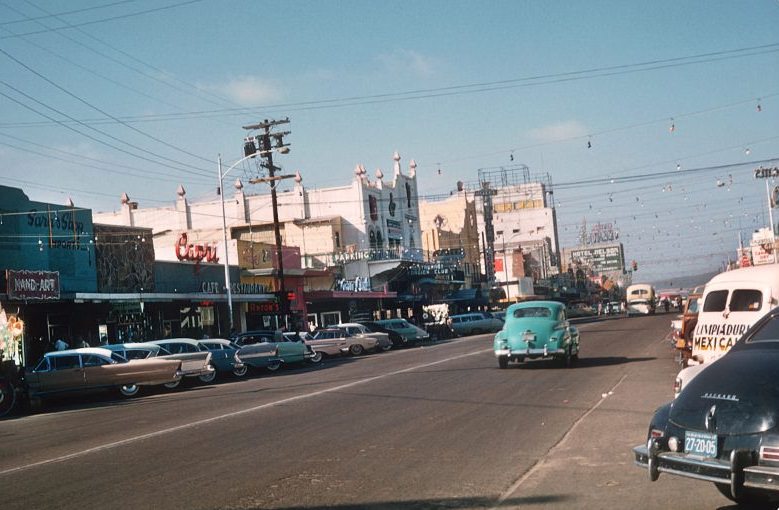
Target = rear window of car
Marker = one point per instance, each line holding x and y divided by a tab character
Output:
746	300
535	311
715	301
139	353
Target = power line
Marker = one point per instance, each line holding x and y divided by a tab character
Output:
65	13
90	105
103	20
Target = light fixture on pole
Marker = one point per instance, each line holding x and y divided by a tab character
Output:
220	189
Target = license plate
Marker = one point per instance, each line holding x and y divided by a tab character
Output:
700	443
528	337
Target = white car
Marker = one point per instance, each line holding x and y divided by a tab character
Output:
355	329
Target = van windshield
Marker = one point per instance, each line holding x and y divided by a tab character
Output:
715	301
746	300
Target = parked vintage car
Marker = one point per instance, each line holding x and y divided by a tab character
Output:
335	341
536	329
94	367
225	356
355	329
396	338
411	333
724	425
287	350
475	323
195	361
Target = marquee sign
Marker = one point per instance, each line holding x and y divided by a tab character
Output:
32	284
603	258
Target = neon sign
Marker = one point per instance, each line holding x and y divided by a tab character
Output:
195	252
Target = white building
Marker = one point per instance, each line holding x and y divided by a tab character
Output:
368	227
525	229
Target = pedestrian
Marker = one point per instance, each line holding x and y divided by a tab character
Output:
60	345
600	307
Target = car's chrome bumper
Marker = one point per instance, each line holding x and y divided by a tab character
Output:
197	372
737	472
530	353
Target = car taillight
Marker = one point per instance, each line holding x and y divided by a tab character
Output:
677	385
769	453
655	433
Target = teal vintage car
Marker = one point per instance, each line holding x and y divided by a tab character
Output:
537	329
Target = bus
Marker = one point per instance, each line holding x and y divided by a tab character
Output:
640	299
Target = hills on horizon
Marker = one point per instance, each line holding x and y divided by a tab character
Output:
683	282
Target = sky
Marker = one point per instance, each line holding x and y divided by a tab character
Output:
650	116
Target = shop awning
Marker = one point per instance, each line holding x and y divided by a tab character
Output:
149	297
463	295
321	295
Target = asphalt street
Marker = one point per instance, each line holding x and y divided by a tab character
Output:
433	427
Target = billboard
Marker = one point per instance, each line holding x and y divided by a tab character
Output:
600	258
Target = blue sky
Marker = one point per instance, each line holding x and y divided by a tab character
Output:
536	80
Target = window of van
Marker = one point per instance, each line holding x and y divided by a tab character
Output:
746	300
715	301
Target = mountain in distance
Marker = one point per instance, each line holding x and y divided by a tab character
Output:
684	282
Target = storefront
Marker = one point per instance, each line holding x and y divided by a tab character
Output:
351	300
47	256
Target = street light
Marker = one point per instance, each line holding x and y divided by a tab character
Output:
222	175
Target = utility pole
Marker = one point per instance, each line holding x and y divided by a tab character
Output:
266	149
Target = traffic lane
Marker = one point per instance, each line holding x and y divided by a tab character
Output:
71	426
415	437
594	466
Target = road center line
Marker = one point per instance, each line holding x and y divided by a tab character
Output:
540	463
213	419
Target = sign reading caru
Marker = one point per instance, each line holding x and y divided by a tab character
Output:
195	252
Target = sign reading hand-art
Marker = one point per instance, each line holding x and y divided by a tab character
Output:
32	284
195	252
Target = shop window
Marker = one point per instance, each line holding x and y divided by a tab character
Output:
373	208
372	237
331	318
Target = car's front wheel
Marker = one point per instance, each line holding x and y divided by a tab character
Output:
386	348
316	357
129	390
241	372
274	365
356	349
503	361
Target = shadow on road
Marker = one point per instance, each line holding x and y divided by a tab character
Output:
545	364
423	504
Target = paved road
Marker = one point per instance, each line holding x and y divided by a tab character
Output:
433	427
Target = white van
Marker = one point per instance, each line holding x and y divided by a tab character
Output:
731	303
